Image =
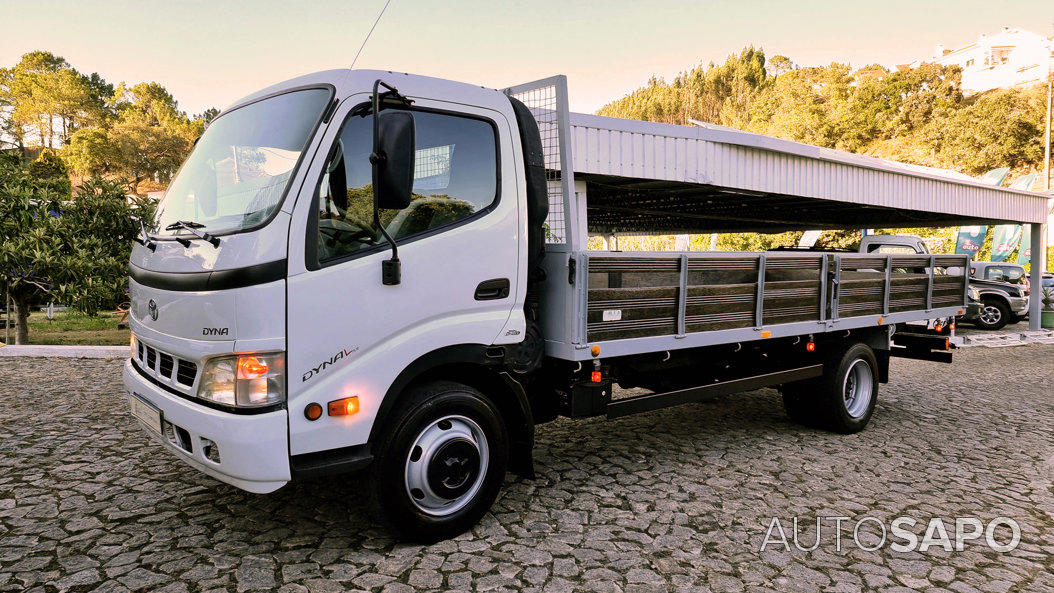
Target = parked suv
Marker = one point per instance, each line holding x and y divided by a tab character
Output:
1003	290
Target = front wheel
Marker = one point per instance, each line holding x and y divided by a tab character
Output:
440	467
994	315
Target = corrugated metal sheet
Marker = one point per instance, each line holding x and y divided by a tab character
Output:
740	160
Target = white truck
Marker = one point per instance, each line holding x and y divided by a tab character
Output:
359	271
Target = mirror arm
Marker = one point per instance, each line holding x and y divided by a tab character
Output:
391	269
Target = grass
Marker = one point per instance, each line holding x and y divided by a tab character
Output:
72	328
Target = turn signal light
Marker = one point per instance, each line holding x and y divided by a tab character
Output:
251	367
344	407
595	377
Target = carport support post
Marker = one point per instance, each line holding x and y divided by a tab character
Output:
1039	263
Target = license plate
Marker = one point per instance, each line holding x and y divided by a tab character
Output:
145	411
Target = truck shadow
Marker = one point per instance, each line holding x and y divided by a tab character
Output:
693	441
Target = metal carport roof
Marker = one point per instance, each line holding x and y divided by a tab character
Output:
651	177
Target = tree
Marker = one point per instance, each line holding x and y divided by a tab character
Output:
718	94
779	64
29	239
97	229
147	139
46	100
73	251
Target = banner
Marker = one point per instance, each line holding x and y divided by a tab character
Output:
809	239
970	240
995	176
1025	255
1004	240
1024	183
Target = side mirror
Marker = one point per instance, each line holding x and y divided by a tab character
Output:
393	167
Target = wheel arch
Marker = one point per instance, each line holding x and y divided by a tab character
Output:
995	294
480	367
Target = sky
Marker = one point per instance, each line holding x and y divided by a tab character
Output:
210	53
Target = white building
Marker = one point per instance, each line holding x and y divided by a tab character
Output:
1012	57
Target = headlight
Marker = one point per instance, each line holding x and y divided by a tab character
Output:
248	380
974	294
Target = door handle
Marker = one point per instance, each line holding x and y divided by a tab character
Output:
489	290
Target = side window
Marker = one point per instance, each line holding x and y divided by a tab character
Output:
455	176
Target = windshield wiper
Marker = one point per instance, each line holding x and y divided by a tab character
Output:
193	227
146	240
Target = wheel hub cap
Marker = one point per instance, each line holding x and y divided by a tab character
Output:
991	314
858	388
453	468
446	465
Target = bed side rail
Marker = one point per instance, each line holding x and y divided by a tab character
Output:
675	294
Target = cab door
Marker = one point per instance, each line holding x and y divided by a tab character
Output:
460	251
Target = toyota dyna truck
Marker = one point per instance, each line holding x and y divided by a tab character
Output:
388	275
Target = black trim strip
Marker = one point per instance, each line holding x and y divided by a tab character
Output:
330	462
207	404
656	401
213	280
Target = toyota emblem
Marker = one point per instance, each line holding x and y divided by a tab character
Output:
152	308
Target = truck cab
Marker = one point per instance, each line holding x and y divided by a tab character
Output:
237	334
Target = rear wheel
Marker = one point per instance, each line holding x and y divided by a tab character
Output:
994	315
843	399
848	391
440	467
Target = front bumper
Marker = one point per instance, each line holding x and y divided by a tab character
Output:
973	311
253	449
1019	305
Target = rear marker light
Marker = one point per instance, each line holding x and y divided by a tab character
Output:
344	407
951	327
313	411
810	346
595	377
939	328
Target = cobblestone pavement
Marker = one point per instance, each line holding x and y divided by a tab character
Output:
679	499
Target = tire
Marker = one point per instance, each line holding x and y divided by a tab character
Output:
994	314
848	391
439	468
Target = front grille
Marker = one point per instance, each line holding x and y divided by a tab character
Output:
166	368
186	372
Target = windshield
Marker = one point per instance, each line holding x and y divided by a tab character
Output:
238	171
1011	274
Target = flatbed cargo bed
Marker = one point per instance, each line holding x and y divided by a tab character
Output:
637	302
